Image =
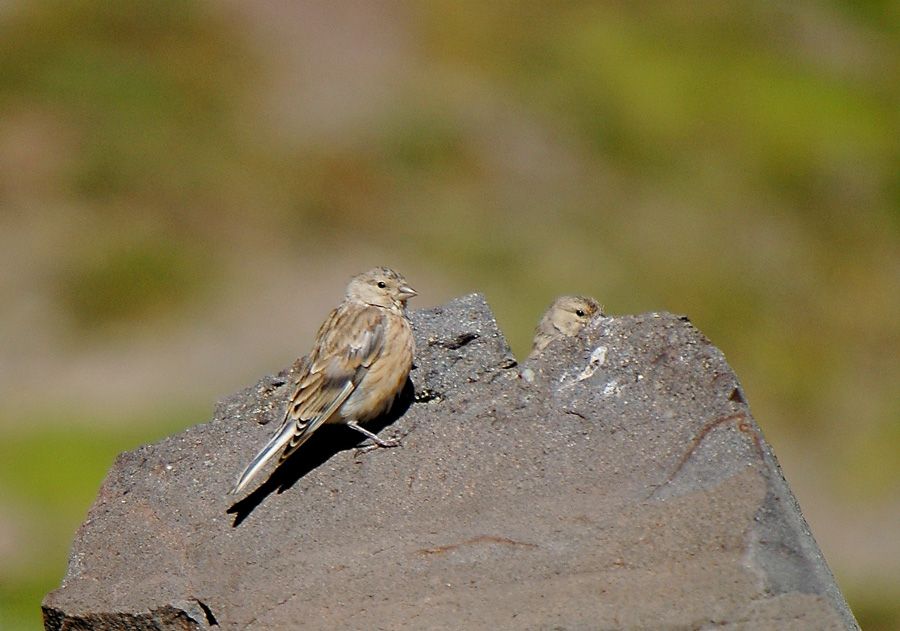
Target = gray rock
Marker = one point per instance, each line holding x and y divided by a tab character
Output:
618	480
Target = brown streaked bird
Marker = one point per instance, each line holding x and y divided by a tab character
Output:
564	318
358	365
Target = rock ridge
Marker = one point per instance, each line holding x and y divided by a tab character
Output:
617	480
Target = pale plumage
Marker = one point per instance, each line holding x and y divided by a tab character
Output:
564	318
358	365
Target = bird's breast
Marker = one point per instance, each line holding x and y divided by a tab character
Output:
385	377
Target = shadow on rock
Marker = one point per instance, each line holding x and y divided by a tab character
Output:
321	447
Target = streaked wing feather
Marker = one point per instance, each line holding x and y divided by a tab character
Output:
347	344
303	430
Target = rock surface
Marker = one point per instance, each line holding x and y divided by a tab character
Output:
616	481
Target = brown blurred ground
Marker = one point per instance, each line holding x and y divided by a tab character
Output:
178	186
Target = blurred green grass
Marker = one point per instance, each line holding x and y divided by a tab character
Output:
50	472
738	163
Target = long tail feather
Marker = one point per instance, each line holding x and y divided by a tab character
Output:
278	441
292	435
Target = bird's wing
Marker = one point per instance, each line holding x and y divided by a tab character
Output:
347	343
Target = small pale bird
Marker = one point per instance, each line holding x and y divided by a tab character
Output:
358	365
564	318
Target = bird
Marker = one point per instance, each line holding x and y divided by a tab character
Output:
564	318
359	363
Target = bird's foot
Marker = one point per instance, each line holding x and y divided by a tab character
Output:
378	443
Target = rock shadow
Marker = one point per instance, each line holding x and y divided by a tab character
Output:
319	449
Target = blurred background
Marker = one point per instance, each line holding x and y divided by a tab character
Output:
185	188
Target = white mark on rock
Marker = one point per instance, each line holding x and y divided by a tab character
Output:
598	358
610	388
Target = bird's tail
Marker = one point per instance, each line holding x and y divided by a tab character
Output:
275	445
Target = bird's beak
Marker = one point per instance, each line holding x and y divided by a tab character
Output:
407	292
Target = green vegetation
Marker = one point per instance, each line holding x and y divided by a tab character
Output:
50	476
129	281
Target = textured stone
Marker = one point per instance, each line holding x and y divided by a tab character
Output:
616	481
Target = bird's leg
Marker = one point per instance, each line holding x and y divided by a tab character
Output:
379	442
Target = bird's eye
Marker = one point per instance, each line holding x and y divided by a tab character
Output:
381	284
579	313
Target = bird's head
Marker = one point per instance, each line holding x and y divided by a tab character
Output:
381	287
569	314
